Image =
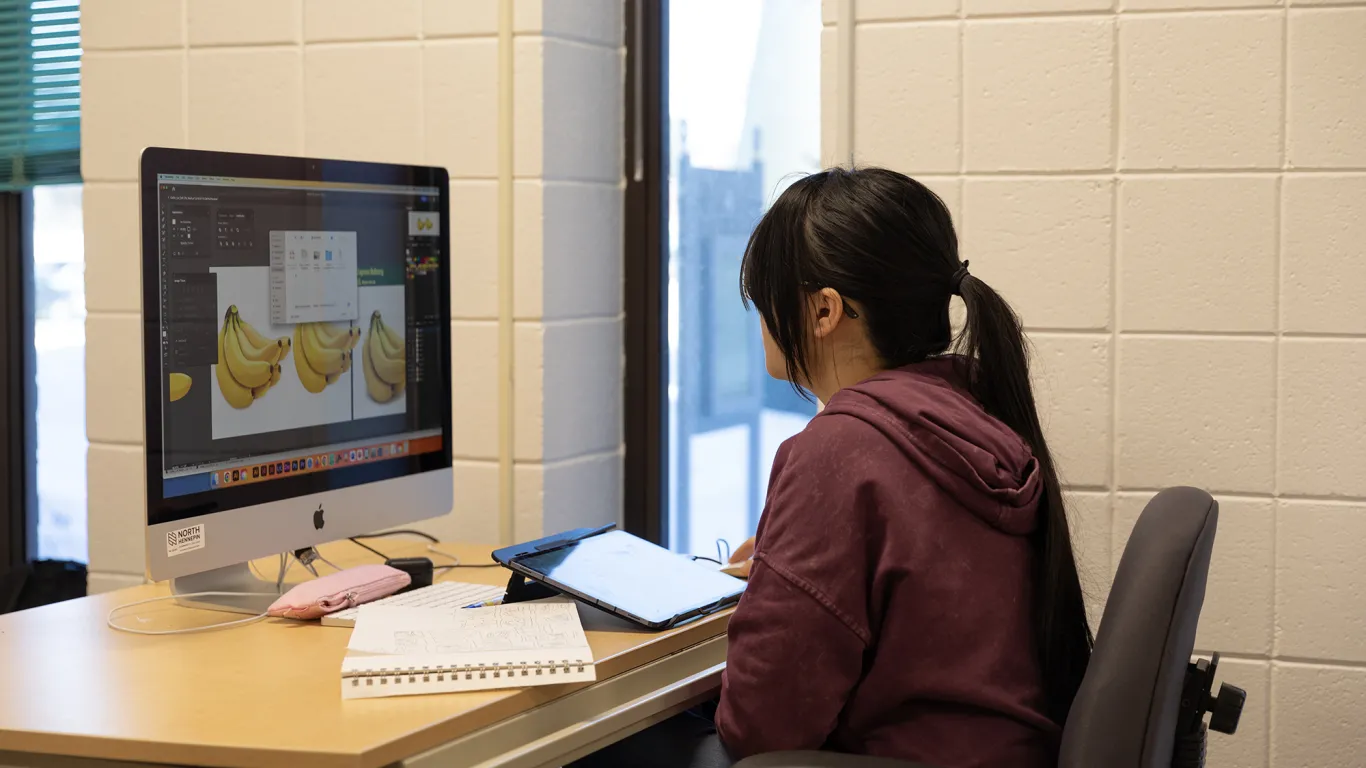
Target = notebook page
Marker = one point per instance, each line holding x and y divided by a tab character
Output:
402	650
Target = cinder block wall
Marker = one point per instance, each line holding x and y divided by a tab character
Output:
398	81
1173	195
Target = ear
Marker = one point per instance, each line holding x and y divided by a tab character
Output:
827	310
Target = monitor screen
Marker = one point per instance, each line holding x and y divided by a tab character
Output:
301	329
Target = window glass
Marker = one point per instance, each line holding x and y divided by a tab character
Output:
744	117
59	345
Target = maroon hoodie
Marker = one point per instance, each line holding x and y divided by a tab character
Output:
888	610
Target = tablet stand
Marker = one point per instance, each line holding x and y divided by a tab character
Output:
520	590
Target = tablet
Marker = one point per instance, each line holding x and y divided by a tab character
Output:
625	575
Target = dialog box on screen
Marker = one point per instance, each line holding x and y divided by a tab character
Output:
313	277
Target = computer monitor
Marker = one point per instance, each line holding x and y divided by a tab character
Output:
296	359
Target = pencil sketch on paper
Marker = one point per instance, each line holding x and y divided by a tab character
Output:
495	629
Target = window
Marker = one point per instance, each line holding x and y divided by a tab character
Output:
724	104
59	370
42	285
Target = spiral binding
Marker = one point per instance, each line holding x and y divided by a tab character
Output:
396	675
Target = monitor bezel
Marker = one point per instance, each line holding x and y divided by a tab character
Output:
157	160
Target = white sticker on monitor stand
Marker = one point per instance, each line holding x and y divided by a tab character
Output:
185	540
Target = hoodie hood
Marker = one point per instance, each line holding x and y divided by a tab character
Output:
926	410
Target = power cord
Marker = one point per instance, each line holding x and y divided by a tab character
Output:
455	561
279	582
431	547
308	555
356	540
224	625
721	557
400	532
252	565
285	565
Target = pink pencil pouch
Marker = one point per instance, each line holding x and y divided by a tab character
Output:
339	591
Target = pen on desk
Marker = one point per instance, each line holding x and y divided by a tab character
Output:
486	603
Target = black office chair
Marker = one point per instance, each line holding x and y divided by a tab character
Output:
1143	702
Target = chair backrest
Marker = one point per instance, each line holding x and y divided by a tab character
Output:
1125	713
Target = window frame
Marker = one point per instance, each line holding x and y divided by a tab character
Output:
18	464
646	401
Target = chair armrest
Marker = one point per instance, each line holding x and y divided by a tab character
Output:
822	760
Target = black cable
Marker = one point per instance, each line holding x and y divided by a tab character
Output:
382	534
708	559
401	532
356	540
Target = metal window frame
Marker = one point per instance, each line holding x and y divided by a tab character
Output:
646	427
18	487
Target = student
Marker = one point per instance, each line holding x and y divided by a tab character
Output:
913	591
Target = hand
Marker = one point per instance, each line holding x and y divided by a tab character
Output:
741	560
743	552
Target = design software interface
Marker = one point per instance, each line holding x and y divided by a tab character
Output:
301	327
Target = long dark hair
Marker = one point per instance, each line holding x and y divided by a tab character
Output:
885	241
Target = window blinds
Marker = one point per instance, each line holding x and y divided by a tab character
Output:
40	92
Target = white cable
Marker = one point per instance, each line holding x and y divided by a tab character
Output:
335	567
239	622
279	582
252	564
286	562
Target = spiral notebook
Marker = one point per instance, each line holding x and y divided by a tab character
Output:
397	651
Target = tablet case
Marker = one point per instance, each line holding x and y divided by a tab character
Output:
530	586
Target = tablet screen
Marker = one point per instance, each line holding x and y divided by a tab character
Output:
635	576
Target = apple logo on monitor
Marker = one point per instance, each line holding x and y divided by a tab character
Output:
318	522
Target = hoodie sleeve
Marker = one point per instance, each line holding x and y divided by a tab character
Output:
797	639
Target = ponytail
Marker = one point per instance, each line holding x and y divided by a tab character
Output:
992	340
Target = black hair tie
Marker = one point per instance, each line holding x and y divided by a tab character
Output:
956	282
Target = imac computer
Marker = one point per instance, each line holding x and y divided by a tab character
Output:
296	359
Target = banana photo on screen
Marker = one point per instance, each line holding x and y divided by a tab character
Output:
381	356
273	377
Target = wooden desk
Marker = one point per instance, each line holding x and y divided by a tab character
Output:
268	694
